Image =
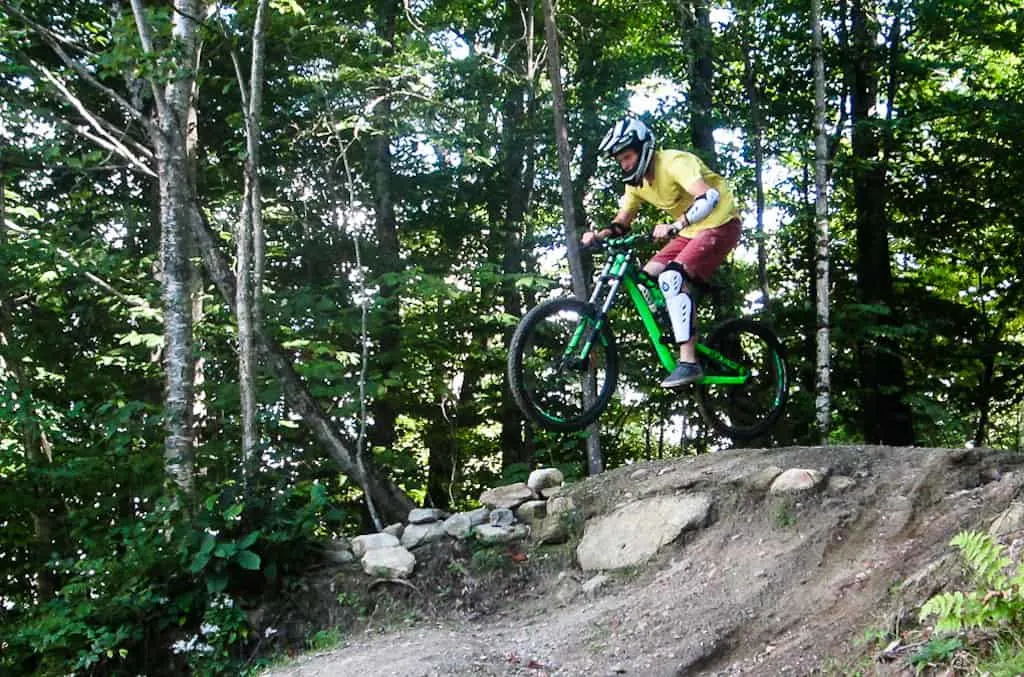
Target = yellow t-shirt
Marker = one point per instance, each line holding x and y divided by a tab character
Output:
673	171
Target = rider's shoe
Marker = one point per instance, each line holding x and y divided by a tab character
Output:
685	372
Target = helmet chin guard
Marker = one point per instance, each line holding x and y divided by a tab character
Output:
630	133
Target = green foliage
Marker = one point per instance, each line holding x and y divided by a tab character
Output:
936	650
996	603
322	640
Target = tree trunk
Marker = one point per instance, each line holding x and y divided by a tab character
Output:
392	503
887	418
595	460
248	272
696	24
177	192
756	146
513	187
385	261
823	369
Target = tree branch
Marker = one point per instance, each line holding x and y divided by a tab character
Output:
146	40
134	301
52	39
105	138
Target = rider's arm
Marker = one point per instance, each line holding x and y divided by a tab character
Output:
705	201
620	226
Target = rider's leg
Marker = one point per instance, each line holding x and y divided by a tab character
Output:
697	258
669	253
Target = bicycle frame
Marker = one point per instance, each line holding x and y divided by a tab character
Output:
619	271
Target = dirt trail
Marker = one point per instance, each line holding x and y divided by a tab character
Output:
772	586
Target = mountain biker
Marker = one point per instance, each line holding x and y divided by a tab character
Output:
704	214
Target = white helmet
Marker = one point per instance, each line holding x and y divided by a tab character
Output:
630	133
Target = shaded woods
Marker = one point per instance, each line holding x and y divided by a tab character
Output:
205	208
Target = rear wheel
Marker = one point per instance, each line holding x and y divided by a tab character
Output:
556	381
747	410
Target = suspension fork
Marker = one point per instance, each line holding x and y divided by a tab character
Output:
607	286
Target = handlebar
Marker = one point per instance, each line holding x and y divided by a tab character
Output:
621	242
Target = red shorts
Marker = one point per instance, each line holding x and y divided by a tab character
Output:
703	253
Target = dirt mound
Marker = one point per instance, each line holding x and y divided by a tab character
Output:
775	584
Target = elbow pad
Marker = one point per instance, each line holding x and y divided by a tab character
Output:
702	206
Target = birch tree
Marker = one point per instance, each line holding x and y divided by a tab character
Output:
822	386
248	273
173	102
595	462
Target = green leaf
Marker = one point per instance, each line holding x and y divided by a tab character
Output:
208	542
199	562
225	550
234	511
247	559
216	582
249	540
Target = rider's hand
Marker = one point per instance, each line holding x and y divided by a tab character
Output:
663	231
589	238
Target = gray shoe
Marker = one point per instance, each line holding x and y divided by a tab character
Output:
685	372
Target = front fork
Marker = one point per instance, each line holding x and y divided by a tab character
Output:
608	283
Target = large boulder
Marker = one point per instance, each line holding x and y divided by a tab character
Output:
551	530
489	535
393	562
796	480
460	525
367	542
425	515
634	533
532	511
510	496
542	478
418	534
501	517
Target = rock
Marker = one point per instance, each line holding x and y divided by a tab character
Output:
634	533
393	562
509	496
796	480
763	478
560	504
566	588
418	534
837	484
639	474
551	530
425	515
395	529
501	517
364	544
542	478
1011	520
489	534
339	552
594	584
551	492
532	511
458	526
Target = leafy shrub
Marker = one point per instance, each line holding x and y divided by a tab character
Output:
995	604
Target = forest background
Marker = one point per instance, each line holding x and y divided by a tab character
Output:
364	197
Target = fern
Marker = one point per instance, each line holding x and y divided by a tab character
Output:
996	603
984	556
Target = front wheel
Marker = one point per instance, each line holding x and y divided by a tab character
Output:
742	411
562	365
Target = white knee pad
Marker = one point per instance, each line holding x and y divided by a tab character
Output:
678	303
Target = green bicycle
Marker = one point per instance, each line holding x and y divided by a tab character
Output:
563	365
